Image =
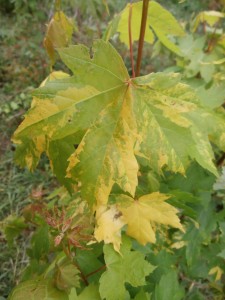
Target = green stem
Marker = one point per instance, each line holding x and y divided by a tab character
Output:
142	35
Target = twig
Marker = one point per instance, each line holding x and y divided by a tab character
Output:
130	40
81	274
68	254
142	35
96	271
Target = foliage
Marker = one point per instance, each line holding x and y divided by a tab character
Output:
137	156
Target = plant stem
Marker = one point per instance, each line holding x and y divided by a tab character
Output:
96	271
68	254
130	40
142	35
84	278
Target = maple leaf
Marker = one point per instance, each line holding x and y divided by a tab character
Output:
127	267
97	103
113	119
159	21
141	215
36	290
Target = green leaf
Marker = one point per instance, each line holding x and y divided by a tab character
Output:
212	97
168	288
159	21
185	201
40	242
88	263
34	269
66	275
195	180
89	293
129	266
12	226
192	249
36	290
207	71
165	260
113	119
222	254
142	296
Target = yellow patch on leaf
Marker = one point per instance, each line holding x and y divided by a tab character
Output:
109	224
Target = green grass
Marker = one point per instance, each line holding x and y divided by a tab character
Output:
17	189
23	65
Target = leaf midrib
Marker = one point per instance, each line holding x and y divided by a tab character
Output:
106	145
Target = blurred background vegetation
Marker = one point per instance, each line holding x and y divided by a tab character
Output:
23	66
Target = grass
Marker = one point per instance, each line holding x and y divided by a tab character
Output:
17	189
23	65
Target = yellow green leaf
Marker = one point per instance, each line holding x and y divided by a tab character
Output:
59	34
66	274
159	21
135	24
36	290
142	215
125	267
210	17
53	76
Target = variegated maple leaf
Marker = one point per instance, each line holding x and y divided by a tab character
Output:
114	119
142	216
